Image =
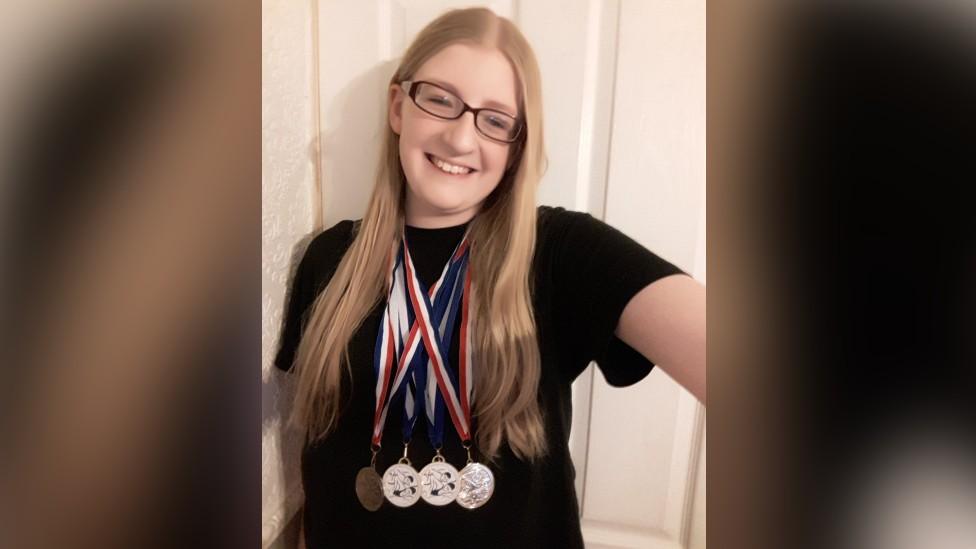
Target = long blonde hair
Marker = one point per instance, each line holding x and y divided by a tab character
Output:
502	238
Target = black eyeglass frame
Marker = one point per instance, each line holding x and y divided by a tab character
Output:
411	87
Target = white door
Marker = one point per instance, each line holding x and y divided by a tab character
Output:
624	100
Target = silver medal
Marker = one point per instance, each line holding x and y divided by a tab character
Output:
439	483
477	485
401	484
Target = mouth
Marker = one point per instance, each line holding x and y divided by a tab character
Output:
433	163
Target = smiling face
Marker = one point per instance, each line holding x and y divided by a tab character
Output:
481	77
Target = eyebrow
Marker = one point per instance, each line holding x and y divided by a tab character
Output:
488	104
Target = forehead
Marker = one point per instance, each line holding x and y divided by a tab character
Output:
481	76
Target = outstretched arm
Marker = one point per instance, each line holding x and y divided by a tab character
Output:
665	322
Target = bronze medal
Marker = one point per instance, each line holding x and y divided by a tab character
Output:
369	488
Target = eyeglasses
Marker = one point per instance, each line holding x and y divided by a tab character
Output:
441	103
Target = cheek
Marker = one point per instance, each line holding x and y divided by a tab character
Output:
494	159
418	129
420	135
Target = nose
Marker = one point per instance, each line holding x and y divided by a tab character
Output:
461	134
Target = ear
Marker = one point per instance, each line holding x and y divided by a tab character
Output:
395	99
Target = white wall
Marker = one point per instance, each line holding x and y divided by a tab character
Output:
290	199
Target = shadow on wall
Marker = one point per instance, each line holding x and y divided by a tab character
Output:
353	125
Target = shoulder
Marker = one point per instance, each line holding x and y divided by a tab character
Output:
331	243
551	219
555	223
325	251
557	216
574	239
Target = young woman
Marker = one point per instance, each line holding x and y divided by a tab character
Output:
436	339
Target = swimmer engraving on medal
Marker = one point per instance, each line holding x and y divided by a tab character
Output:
404	485
439	481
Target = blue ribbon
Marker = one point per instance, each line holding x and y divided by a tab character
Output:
446	302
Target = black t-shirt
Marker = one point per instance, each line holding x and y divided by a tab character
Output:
585	274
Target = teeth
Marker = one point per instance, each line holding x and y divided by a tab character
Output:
449	168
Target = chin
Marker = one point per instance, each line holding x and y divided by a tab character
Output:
447	205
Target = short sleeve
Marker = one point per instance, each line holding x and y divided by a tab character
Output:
312	275
597	270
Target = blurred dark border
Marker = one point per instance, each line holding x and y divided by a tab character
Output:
842	265
131	280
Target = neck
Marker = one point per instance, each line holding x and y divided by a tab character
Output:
428	219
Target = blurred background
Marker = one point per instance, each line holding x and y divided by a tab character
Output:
841	258
842	264
130	207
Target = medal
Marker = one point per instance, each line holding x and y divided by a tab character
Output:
476	481
401	482
398	367
369	488
476	487
439	481
369	485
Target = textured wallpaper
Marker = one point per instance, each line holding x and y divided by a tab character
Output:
289	198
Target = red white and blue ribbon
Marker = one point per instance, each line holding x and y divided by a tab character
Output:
402	364
436	351
446	306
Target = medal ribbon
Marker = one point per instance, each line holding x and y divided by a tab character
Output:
446	306
458	407
444	301
394	339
